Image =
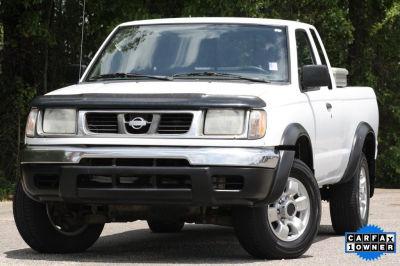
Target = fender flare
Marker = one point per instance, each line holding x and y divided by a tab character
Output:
292	133
287	152
363	129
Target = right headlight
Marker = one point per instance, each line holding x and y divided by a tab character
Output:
59	121
257	124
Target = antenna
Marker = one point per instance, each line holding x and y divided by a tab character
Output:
82	31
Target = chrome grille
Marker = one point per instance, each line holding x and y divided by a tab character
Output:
174	123
141	123
106	123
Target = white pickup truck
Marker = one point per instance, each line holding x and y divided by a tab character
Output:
229	121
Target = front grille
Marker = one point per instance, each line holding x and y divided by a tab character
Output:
138	123
105	123
175	123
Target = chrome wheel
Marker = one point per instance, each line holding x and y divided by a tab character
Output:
289	215
363	193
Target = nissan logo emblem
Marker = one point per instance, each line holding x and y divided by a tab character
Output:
138	123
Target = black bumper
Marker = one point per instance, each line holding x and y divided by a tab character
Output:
162	182
243	186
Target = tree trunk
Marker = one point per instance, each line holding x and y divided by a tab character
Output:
49	20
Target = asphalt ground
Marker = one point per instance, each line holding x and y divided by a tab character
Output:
126	243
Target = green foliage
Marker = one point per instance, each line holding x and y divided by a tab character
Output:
385	36
6	187
42	39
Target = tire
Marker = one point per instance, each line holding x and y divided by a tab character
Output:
254	226
158	226
345	201
41	235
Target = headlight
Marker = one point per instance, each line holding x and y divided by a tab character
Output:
31	123
59	121
224	122
257	124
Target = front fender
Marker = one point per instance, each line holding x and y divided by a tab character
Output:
287	153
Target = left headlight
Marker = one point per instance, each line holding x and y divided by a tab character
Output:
224	122
59	121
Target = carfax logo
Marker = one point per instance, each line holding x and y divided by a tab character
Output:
370	242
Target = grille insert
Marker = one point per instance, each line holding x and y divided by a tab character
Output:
175	123
104	123
135	181
141	162
46	181
138	123
229	182
95	181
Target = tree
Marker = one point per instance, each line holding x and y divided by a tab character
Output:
41	39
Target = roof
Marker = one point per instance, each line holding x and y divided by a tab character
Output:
233	20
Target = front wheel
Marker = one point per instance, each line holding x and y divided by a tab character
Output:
49	228
287	227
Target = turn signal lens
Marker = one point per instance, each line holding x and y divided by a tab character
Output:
257	124
31	123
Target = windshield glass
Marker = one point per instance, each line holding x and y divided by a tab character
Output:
252	51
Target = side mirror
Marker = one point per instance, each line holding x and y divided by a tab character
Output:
313	76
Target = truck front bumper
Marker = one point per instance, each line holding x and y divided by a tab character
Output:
207	176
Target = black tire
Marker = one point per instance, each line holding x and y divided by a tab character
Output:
159	226
344	202
38	232
255	234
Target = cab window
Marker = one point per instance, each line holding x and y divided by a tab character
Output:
305	54
319	47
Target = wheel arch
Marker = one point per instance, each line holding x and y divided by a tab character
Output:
364	142
297	138
295	142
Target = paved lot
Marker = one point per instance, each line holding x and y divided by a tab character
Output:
125	243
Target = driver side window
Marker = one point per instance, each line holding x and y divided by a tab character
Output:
305	54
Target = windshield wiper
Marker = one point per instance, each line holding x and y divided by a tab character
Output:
219	74
128	76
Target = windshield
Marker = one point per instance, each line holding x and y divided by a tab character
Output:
182	50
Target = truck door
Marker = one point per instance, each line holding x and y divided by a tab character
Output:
326	157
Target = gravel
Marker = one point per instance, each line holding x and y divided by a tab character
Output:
126	243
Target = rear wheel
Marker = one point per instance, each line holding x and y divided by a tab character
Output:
349	202
285	228
161	226
52	228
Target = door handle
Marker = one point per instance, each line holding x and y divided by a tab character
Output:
328	106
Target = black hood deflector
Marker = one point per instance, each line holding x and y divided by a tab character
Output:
147	101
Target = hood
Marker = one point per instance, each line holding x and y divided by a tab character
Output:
160	87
